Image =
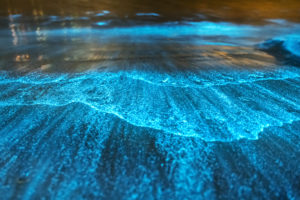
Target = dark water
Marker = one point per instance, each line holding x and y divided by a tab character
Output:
149	99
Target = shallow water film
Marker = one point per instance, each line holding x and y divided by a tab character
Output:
111	99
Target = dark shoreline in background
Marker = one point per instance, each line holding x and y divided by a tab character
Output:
248	12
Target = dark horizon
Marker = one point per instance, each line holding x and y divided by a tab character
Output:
249	12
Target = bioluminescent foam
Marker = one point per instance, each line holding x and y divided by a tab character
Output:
213	105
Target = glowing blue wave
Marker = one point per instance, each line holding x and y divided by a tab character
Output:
291	43
211	112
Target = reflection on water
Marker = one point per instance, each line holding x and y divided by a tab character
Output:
149	100
52	44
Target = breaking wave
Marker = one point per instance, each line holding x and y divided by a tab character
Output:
214	106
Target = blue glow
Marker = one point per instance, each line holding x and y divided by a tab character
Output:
148	14
77	126
199	28
184	29
278	21
54	18
103	13
15	16
291	43
84	18
212	117
161	30
179	120
102	23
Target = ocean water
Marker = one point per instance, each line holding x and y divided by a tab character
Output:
149	100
